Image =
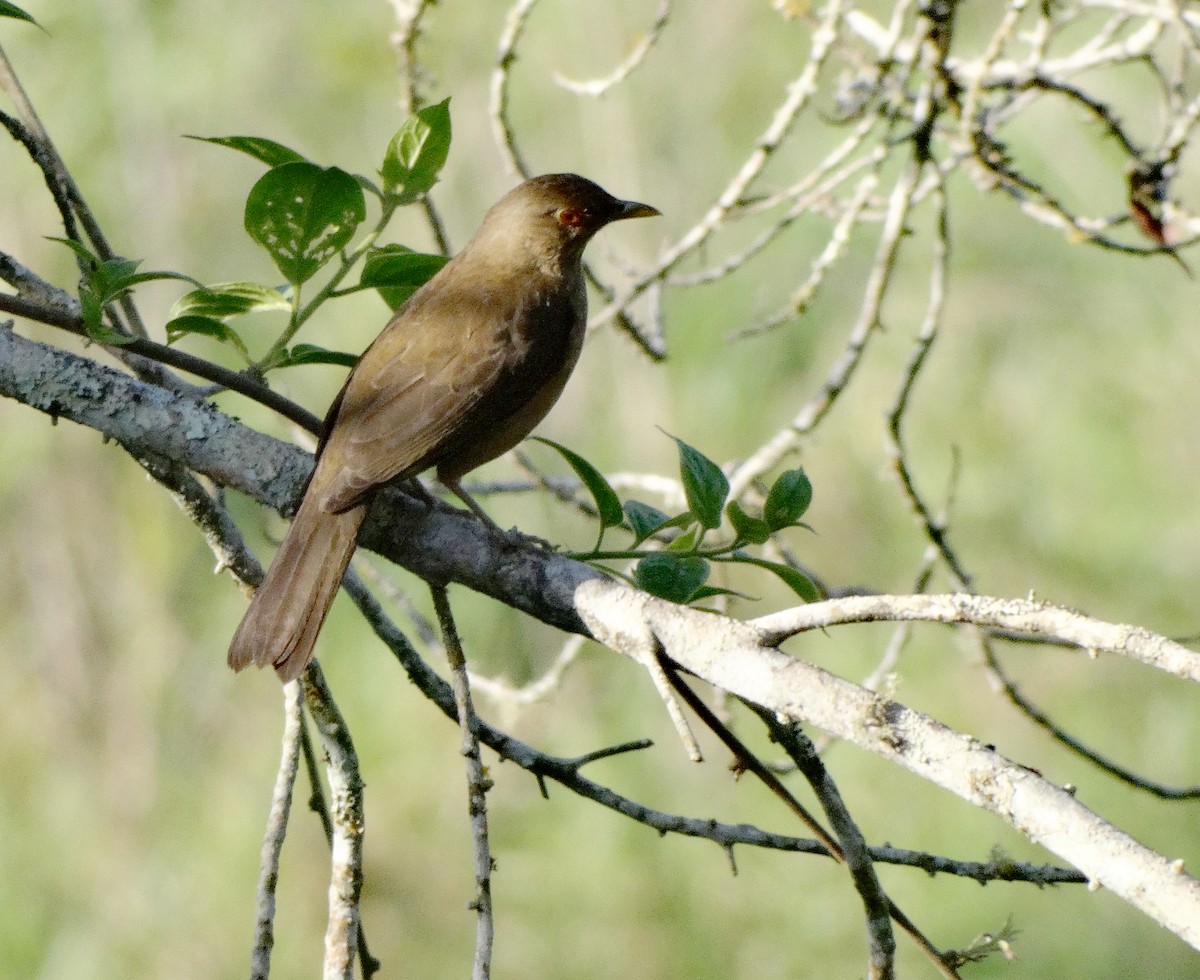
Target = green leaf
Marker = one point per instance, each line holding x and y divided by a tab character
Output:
112	278
104	281
398	272
303	215
608	504
11	10
788	499
689	539
703	483
312	354
92	308
182	326
82	252
670	576
644	520
708	591
417	153
753	530
267	151
798	582
230	299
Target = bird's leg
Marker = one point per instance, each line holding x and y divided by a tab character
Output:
456	488
416	489
515	536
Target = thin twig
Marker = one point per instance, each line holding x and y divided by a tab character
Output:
243	384
478	784
61	176
1063	737
878	905
272	846
642	46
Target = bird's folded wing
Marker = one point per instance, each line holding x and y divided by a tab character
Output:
405	399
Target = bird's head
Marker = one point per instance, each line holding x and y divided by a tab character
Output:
549	219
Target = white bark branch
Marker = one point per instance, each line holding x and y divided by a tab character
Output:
739	657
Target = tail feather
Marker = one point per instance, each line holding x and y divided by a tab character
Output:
280	628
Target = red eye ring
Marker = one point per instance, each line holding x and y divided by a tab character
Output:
571	217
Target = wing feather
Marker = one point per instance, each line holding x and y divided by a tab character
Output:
409	393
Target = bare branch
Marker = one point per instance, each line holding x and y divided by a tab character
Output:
346	790
277	819
478	785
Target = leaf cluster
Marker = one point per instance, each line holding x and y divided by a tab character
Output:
306	217
679	568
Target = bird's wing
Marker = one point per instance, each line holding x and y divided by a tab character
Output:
408	394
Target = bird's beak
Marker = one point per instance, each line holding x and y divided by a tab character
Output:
631	209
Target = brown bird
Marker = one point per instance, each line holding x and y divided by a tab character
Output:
463	372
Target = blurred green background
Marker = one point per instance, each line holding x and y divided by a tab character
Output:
135	770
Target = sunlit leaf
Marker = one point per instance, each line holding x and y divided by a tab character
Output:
230	299
267	151
417	153
303	215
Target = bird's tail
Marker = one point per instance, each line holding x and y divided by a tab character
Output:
280	628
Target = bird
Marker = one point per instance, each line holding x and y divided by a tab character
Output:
462	372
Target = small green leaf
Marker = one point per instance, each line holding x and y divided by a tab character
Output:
670	576
267	151
11	10
312	354
181	326
688	540
398	272
708	591
753	530
788	499
644	520
112	278
703	483
115	270
82	252
230	299
608	504
417	153
104	281
92	308
797	581
303	215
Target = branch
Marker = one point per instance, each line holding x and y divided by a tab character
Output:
272	846
1027	617
568	773
68	318
346	790
440	544
478	785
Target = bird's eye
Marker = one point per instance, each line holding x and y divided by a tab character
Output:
571	217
